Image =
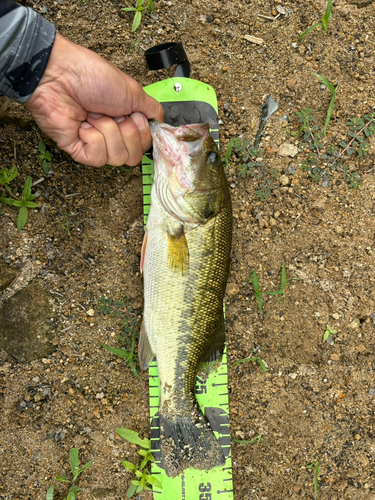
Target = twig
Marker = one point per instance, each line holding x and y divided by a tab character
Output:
72	194
15	150
37	182
11	194
66	329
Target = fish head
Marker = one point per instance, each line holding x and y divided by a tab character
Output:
189	176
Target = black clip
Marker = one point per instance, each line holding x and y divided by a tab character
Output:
166	55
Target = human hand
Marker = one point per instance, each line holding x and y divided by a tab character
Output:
94	111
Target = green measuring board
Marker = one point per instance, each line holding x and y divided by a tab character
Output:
189	101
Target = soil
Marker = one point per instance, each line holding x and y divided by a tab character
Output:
316	402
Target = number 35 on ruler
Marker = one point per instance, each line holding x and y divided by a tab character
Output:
205	488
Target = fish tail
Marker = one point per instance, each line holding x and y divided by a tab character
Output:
188	442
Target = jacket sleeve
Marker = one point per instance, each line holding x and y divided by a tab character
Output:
26	41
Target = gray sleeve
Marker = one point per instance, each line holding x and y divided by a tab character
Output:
26	41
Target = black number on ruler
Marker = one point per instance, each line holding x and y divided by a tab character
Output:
205	488
200	387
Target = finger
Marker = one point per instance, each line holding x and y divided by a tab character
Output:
90	148
117	152
144	129
144	103
132	137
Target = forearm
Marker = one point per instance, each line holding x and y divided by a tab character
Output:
26	41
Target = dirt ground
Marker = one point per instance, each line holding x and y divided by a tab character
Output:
316	402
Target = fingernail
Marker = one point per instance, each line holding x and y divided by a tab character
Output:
119	119
95	115
140	120
85	125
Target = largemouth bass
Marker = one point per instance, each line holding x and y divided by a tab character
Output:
185	263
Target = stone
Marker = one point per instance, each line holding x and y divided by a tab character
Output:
232	289
287	150
24	333
284	180
7	275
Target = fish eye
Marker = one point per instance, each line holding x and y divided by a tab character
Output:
212	157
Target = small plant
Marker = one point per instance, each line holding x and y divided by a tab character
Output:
333	89
315	465
323	23
250	163
140	5
65	221
248	156
141	474
255	359
129	332
257	439
8	195
323	160
44	156
265	188
258	294
328	333
76	471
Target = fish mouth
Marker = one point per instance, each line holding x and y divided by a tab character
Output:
173	143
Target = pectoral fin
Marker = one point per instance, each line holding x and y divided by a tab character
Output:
178	252
145	354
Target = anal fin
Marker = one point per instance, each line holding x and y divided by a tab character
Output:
215	350
145	353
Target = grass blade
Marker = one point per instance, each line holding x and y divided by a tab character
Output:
308	30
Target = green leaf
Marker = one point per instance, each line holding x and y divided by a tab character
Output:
50	491
137	20
42	146
62	479
129	9
122	353
30	204
86	466
26	192
45	166
308	30
131	490
154	481
128	465
74	461
327	16
133	437
22	218
229	150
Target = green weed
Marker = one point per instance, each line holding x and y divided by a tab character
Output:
250	163
140	6
66	222
129	332
44	156
142	477
258	294
328	333
316	475
322	159
8	195
324	22
333	89
76	471
255	359
257	439
284	283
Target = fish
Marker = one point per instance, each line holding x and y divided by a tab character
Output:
185	261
